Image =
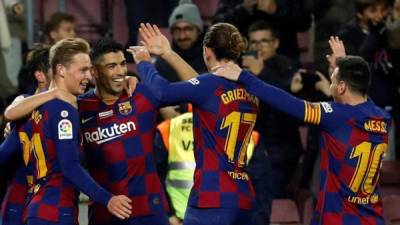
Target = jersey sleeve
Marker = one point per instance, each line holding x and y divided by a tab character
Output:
274	96
9	147
65	127
194	90
323	114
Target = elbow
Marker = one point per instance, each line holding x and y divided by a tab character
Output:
9	114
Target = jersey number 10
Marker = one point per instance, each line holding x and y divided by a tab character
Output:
369	162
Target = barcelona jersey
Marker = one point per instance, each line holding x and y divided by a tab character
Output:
223	119
51	145
118	142
353	142
13	204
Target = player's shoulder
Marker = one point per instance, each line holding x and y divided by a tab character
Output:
376	111
55	106
209	80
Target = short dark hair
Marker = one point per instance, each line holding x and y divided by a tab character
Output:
354	71
37	60
361	5
63	52
225	40
262	25
56	19
102	47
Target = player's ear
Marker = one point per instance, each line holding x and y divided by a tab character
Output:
207	53
342	87
53	35
60	70
39	76
94	72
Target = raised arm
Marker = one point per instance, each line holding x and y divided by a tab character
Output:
22	107
274	96
158	44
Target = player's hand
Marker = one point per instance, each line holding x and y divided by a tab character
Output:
323	84
139	53
173	220
231	71
338	50
154	40
65	96
120	206
130	85
7	130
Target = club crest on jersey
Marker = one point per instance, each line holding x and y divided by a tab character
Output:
65	129
125	108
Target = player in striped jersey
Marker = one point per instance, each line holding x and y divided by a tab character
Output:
223	118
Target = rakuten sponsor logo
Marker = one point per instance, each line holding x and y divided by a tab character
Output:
102	135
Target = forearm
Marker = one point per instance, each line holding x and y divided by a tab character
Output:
151	78
22	108
76	174
275	97
182	68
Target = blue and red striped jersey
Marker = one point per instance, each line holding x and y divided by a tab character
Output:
223	119
51	148
354	139
118	141
14	200
13	205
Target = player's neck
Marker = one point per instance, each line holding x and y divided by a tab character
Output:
107	98
354	99
58	83
218	64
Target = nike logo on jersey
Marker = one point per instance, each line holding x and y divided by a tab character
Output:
87	119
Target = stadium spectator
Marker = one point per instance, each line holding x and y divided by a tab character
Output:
187	30
286	16
60	26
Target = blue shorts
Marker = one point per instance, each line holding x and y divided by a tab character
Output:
217	216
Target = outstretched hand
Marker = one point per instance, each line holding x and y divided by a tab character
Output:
338	50
139	53
230	71
153	39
